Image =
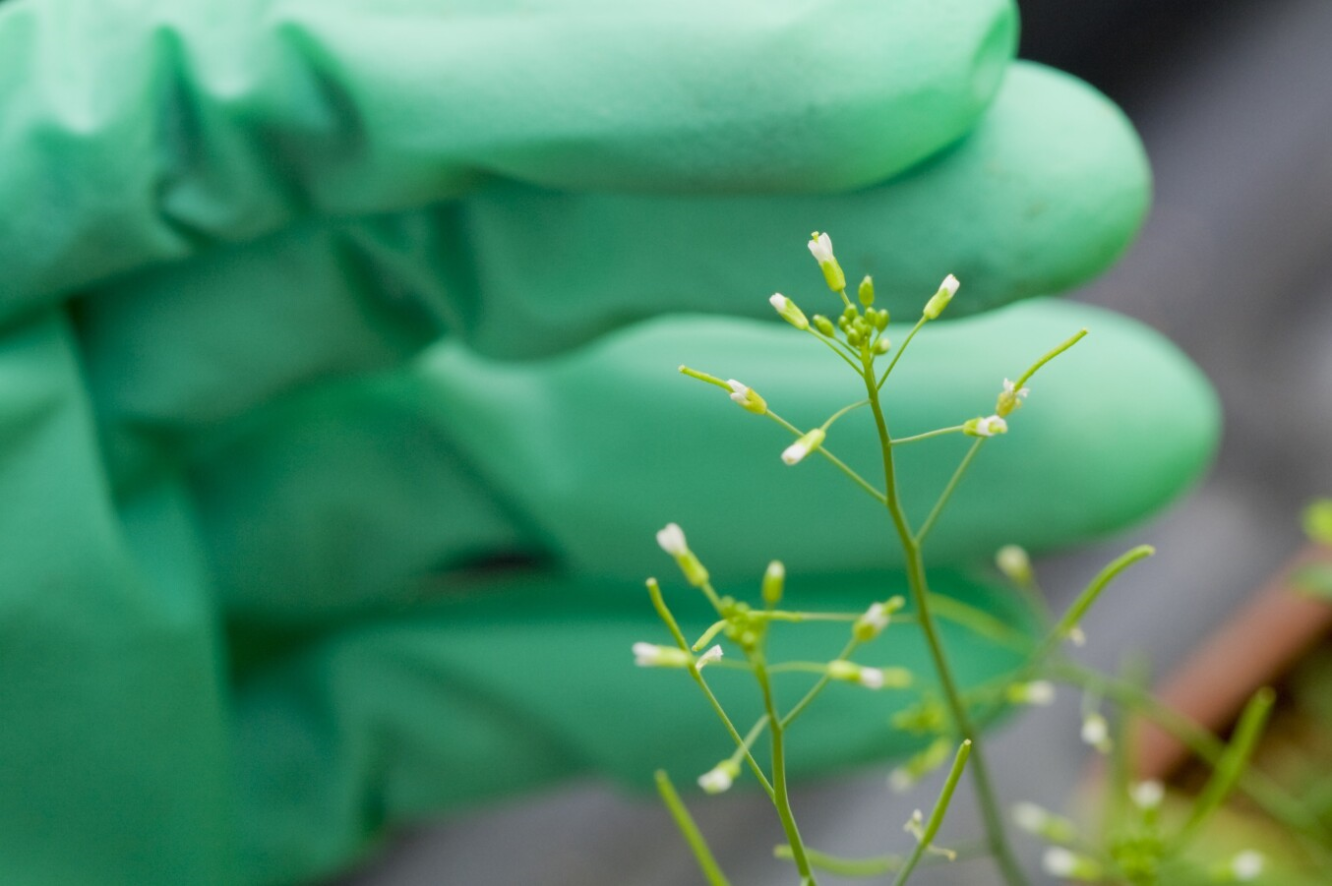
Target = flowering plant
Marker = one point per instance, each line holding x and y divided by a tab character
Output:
1138	845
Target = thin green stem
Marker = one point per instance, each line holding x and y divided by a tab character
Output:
1234	760
948	490
818	687
837	462
659	603
927	435
1054	352
985	795
843	411
937	816
689	830
900	351
781	798
834	346
874	866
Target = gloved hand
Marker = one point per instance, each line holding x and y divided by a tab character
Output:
331	449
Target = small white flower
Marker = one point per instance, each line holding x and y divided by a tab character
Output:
1059	862
672	540
1044	824
872	622
1076	636
935	306
796	452
650	655
707	658
871	678
900	780
991	425
1148	794
1247	865
1011	390
820	246
915	825
1030	818
876	616
1037	692
789	311
747	397
719	778
1014	563
1096	731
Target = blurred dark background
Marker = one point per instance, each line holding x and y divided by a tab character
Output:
1233	99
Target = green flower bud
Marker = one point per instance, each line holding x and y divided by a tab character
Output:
866	291
935	306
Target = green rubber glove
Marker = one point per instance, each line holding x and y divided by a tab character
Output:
331	450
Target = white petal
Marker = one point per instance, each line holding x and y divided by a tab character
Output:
1059	862
672	540
1247	865
795	452
1147	794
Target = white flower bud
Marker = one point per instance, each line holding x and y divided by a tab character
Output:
872	623
650	655
797	451
947	289
1247	865
719	778
985	427
1037	692
1060	862
1147	795
713	654
1041	823
788	311
1096	732
672	540
747	397
1010	398
820	246
1014	563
